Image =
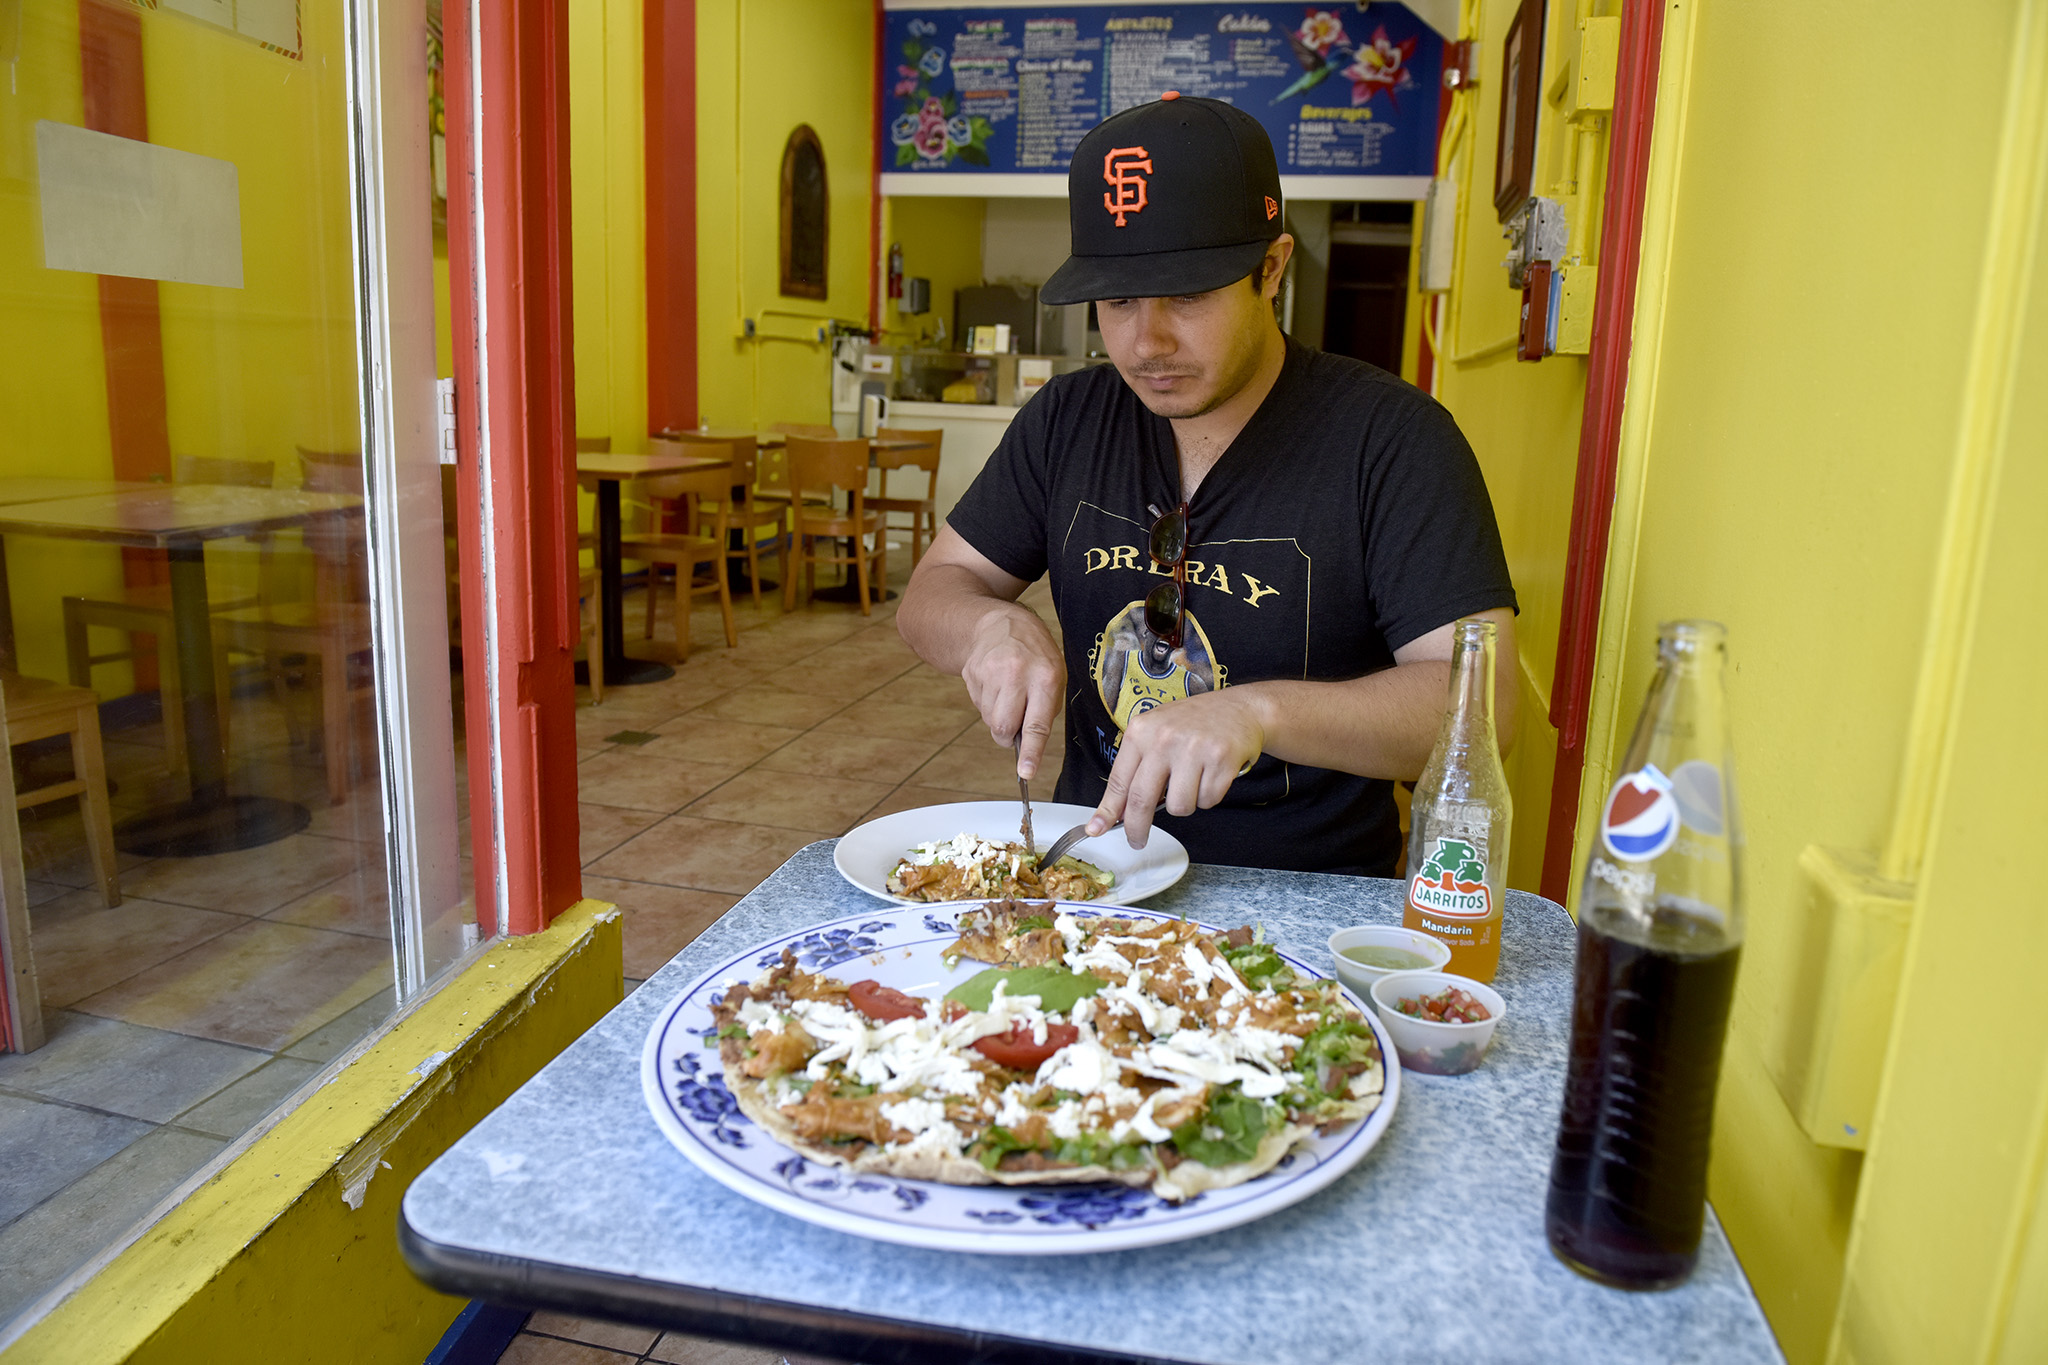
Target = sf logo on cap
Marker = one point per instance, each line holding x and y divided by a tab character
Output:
1127	188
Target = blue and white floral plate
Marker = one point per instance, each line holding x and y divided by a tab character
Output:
684	1082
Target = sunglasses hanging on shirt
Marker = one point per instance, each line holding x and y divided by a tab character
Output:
1166	606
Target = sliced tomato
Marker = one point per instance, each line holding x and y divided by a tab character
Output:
1019	1051
883	1003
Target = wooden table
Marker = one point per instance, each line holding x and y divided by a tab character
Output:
180	519
602	474
772	439
40	488
568	1197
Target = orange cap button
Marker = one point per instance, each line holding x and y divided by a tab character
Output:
1171	95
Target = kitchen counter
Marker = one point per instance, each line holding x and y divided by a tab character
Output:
568	1197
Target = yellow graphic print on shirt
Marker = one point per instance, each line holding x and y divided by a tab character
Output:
1134	671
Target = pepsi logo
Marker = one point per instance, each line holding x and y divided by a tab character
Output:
1641	818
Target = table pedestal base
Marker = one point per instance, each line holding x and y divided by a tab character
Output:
626	672
849	592
221	825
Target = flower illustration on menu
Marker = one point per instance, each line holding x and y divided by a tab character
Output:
932	130
931	139
1321	47
1320	31
1381	66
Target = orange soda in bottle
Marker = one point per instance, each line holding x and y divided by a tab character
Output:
1460	817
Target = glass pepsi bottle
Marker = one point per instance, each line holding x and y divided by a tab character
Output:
1660	929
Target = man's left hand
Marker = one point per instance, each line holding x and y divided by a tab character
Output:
1185	754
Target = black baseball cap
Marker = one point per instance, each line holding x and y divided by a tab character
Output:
1179	196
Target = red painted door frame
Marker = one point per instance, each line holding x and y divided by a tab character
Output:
1614	304
509	267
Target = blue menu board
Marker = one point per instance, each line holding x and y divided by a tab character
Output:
994	98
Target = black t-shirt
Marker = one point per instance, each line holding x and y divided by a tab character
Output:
1348	518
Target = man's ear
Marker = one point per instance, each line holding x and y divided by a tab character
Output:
1274	267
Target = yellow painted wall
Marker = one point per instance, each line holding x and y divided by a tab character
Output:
763	67
249	372
1522	418
267	1262
941	239
1798	397
608	219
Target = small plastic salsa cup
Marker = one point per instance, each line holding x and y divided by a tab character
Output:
1426	1045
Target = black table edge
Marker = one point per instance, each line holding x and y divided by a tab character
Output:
744	1318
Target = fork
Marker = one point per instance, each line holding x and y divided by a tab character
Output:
1066	841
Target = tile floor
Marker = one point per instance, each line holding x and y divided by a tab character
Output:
179	1018
554	1339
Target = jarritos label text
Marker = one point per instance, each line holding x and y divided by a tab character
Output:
1451	883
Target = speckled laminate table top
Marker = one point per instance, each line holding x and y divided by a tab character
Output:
569	1197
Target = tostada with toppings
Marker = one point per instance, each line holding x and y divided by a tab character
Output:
968	867
1091	1048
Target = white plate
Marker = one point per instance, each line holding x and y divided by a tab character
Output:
868	854
684	1083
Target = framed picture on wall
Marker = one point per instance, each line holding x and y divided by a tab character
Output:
1521	86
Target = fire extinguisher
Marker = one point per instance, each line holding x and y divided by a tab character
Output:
895	270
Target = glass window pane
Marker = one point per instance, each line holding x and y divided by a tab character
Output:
202	581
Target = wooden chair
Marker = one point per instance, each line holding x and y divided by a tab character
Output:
924	511
686	551
771	468
145	608
39	709
332	627
841	466
745	512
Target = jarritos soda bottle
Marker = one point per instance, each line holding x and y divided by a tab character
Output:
1660	928
1459	820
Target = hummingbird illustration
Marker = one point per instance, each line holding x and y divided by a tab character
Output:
1315	69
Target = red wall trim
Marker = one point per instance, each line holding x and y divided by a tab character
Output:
670	83
131	330
1621	231
509	157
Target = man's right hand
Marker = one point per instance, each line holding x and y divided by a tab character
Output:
960	613
1017	680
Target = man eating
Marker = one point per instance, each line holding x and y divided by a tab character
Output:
1256	550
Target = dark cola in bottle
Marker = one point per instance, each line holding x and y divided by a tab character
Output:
1660	931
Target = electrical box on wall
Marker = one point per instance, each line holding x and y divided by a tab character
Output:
1599	57
1578	286
1537	231
1537	236
1827	1053
1439	236
917	296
